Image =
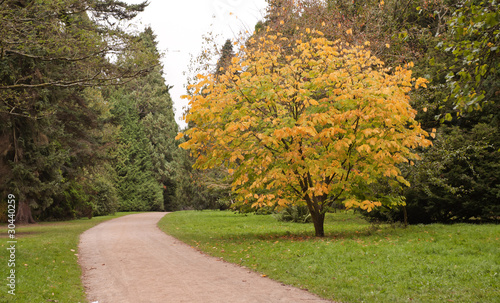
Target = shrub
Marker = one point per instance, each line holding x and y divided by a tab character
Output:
73	202
105	197
457	180
294	213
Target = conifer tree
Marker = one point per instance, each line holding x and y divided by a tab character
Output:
224	61
50	52
146	165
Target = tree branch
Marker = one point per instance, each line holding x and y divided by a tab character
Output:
56	58
87	82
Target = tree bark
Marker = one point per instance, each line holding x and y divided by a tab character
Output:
405	216
318	216
318	221
23	215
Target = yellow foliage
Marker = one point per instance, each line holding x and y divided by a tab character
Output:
306	122
421	82
179	135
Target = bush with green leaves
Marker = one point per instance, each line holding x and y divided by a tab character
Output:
474	29
458	179
294	213
105	197
73	202
201	189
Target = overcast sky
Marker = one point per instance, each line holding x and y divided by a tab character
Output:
179	26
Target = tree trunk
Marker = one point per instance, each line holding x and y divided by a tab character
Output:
317	215
23	215
405	216
318	220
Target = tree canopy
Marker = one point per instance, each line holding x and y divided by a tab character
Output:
307	121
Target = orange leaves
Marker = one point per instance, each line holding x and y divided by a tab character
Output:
312	102
392	172
366	204
236	156
281	133
179	135
364	148
332	77
313	120
368	132
433	133
265	200
303	131
421	82
245	74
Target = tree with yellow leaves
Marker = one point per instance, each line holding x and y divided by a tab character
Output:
308	121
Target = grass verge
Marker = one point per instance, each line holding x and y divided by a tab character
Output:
46	264
356	261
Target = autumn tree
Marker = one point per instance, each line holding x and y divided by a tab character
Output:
453	44
305	121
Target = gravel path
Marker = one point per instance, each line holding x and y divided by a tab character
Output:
129	259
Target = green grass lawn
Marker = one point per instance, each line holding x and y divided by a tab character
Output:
356	261
47	267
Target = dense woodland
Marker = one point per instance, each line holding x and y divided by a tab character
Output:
87	124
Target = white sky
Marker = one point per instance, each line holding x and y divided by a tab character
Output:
179	26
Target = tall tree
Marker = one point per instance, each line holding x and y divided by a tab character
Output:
137	187
307	121
50	52
147	148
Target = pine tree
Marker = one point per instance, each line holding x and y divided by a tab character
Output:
224	61
46	124
137	188
147	148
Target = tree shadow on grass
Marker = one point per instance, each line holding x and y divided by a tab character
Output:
362	232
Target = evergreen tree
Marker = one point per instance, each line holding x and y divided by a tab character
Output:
224	61
51	51
147	150
137	187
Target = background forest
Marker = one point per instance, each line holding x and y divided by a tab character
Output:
87	124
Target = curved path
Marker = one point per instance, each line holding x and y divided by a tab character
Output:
129	259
